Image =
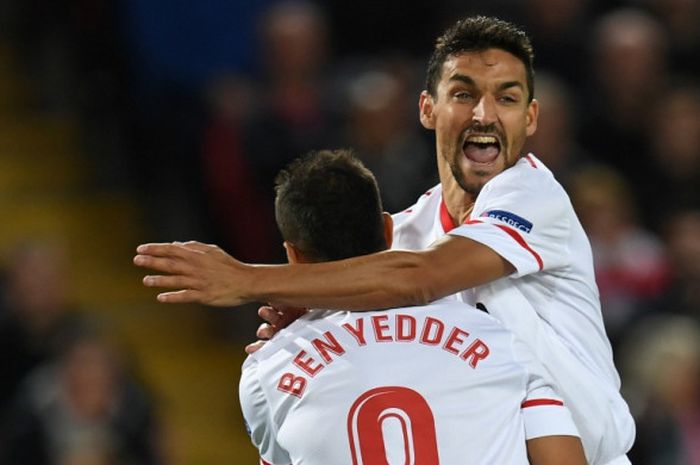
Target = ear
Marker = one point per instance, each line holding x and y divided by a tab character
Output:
293	254
533	111
388	229
425	108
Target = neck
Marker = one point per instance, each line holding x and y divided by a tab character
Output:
459	203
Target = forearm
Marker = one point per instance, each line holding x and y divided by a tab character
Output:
556	450
382	280
196	272
388	279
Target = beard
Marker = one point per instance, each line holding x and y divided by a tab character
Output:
470	188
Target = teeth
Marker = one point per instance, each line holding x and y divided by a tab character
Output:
482	139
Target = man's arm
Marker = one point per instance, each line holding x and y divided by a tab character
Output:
206	274
555	450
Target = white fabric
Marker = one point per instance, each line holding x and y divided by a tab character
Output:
482	414
621	460
551	302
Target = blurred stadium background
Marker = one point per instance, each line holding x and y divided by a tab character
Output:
133	121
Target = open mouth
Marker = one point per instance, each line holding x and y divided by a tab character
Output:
481	148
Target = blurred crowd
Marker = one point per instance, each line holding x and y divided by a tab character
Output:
67	393
195	106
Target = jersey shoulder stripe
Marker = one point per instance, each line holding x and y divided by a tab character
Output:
517	238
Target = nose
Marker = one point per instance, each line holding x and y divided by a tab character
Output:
485	111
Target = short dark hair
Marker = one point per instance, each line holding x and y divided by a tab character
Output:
478	33
328	206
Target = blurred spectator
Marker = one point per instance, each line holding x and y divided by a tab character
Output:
555	142
630	66
383	130
681	19
630	262
682	234
240	214
174	49
556	27
294	99
81	410
36	313
675	148
294	114
660	365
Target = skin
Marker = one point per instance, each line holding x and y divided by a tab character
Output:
478	93
555	450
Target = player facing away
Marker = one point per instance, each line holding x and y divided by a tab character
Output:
441	383
498	231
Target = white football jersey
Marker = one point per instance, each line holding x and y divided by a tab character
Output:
442	383
551	301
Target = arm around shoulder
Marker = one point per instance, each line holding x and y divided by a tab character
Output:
205	274
387	279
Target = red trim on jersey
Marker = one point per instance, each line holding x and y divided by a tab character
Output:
519	239
529	159
448	225
538	402
512	233
445	218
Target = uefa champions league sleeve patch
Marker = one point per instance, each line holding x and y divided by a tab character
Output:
511	219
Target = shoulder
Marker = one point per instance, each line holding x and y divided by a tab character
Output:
528	187
425	203
529	175
279	350
461	312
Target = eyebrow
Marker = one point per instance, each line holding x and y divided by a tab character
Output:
469	81
462	78
509	84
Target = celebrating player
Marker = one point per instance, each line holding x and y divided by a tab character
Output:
499	231
442	383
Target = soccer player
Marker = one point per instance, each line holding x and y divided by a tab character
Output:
442	383
499	231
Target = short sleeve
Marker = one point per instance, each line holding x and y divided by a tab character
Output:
257	416
544	411
523	215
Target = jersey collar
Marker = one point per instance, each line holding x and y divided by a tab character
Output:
445	218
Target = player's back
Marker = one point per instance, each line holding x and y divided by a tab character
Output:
444	380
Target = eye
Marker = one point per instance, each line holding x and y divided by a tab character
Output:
463	95
508	99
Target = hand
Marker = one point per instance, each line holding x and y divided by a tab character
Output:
199	272
276	319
